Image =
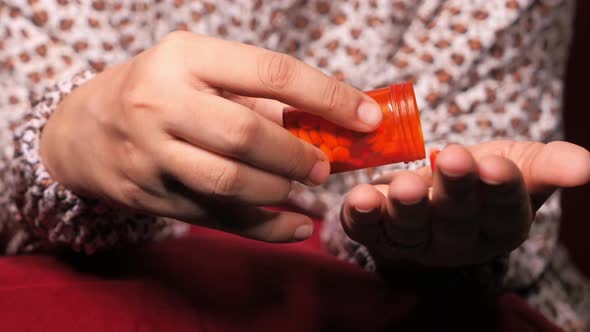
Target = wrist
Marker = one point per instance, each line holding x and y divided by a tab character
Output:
61	131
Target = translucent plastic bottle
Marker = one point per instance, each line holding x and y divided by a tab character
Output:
398	139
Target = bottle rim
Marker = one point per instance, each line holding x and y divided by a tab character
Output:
404	107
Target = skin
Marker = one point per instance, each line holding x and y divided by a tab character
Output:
182	132
479	203
191	129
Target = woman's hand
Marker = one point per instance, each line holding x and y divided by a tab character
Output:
479	203
190	130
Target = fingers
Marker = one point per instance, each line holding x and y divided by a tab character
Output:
261	224
398	222
269	108
543	166
408	223
362	210
221	178
478	210
424	172
556	164
236	131
256	72
206	189
506	211
455	196
214	191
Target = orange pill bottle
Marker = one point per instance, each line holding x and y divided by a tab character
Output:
398	139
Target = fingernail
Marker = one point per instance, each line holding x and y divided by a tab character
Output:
319	172
303	232
410	203
363	211
369	113
452	174
491	182
365	215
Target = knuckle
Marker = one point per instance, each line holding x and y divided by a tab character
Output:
227	181
522	154
530	157
175	38
133	196
300	165
276	70
270	232
169	51
507	150
136	101
333	94
135	90
241	134
132	97
137	171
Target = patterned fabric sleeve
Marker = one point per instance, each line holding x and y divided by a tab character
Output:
44	215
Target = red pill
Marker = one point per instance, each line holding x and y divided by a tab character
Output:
327	151
344	140
329	139
341	154
304	136
316	139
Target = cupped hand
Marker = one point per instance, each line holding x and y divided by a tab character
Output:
191	130
479	203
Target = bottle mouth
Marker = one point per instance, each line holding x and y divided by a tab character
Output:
405	109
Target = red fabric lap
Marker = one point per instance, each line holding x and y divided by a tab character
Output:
210	281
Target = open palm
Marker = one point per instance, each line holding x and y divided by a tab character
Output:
478	204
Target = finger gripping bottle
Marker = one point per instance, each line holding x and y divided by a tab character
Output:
398	139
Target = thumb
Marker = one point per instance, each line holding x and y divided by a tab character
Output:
544	167
559	164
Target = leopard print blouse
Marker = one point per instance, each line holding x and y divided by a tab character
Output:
482	69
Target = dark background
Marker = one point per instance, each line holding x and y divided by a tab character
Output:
575	230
